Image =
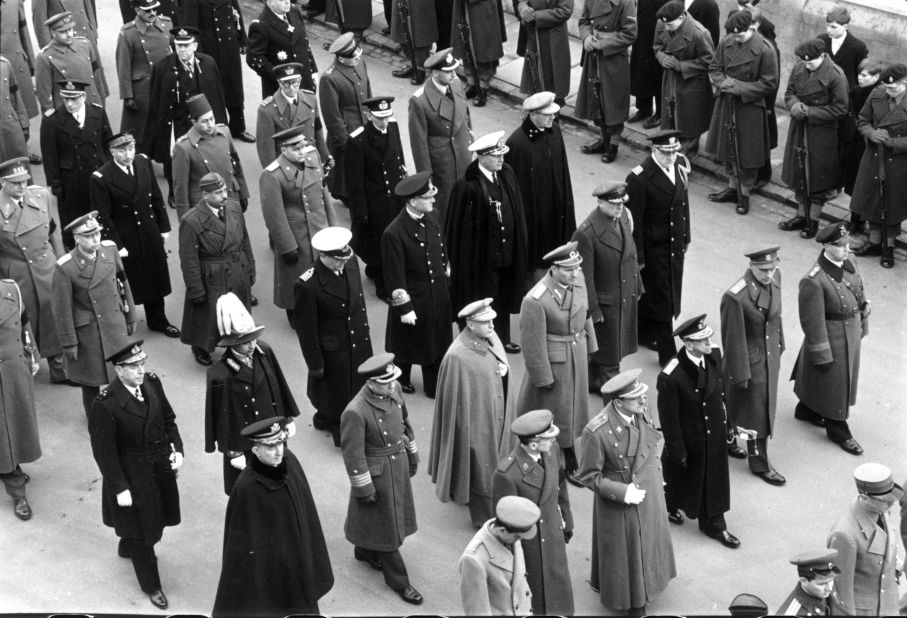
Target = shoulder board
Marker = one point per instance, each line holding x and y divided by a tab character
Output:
306	91
232	364
49	112
419	92
671	366
98	105
128	25
108	243
636	170
814	271
737	287
357	131
538	290
165	18
392	120
329	70
2	59
273	165
793	609
37	188
139	154
597	421
152	376
97	173
254	21
307	274
64	258
104	394
77	37
506	463
309	149
267	101
182	138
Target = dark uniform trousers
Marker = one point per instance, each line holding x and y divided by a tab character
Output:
392	566
188	86
144	562
838	431
429	375
14	482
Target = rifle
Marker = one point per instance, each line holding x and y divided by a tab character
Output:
670	100
403	9
466	39
535	76
803	159
883	197
735	149
596	82
538	59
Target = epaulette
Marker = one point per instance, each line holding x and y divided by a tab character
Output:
140	154
182	137
232	364
152	376
254	21
538	290
597	421
357	131
637	170
671	366
814	271
2	59
64	258
98	105
267	100
128	25
329	70
273	165
307	274
104	394
737	287
505	463
49	112
97	173
108	243
309	149
392	120
306	91
418	93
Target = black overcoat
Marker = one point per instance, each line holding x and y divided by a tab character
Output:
694	423
132	442
333	331
375	163
851	53
415	260
550	30
275	559
132	211
661	217
470	221
273	41
222	35
645	71
341	91
539	161
706	12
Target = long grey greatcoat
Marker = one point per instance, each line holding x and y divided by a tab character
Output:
824	92
132	211
215	258
13	117
90	311
78	60
28	253
550	24
754	67
831	302
689	84
865	200
545	484
196	154
15	46
612	24
83	14
485	19
378	449
294	209
131	442
557	336
632	554
423	23
276	114
223	34
341	91
18	423
440	132
752	335
139	46
613	284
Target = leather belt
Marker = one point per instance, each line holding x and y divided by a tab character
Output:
399	447
566	338
840	317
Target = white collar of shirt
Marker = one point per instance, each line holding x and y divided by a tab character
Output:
486	173
279	16
189	66
628	419
835	262
837	43
669	172
126	169
441	87
415	215
700	362
216	211
80	116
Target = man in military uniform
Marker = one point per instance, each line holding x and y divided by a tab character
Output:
375	434
834	315
534	470
815	593
72	141
67	58
744	71
375	163
817	98
222	35
544	38
613	287
486	234
276	37
479	38
660	207
645	70
289	107
342	92
538	157
143	42
752	335
557	336
174	80
14	123
632	554
608	29
440	129
138	449
131	206
93	308
85	22
417	277
207	147
416	33
16	47
694	422
684	49
868	545
29	245
332	326
244	386
294	208
216	258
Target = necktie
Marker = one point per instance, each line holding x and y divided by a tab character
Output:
19	203
448	93
220	214
494	178
892	103
138	394
129	170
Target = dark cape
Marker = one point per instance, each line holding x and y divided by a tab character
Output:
275	559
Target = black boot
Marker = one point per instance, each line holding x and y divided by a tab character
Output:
471	91
743	205
418	78
609	156
856	224
810	229
869	249
599	145
404	72
887	260
797	222
482	98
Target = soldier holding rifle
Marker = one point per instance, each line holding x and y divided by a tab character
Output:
743	72
817	98
415	27
543	41
479	38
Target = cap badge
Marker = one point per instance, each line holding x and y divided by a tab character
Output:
182	32
383	105
275	427
449	59
70	86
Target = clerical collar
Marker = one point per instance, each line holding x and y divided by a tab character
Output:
415	215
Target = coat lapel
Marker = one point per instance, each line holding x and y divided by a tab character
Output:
105	265
439	101
331	283
30	217
128	403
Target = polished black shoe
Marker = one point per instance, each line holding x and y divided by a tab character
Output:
851	446
735	451
22	509
386	31
887	260
728	195
652	122
253	300
650	343
596	147
725	538
743	205
158	599
407	388
410	595
320	422
246	137
122	549
169	331
675	517
573	479
471	91
771	477
203	358
403	73
609	156
868	250
794	223
35	159
640	115
482	98
369	559
810	231
512	348
65	382
418	78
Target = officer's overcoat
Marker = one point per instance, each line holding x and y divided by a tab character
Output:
77	61
223	34
14	120
15	46
487	33
550	28
422	27
341	91
276	114
195	155
273	42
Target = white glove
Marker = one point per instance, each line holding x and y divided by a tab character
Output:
502	369
291	429
176	460
124	252
409	318
124	498
238	462
165	235
635	495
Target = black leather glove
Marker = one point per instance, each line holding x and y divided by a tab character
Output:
130	104
57	191
290	258
568	534
372	498
413	468
200	300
